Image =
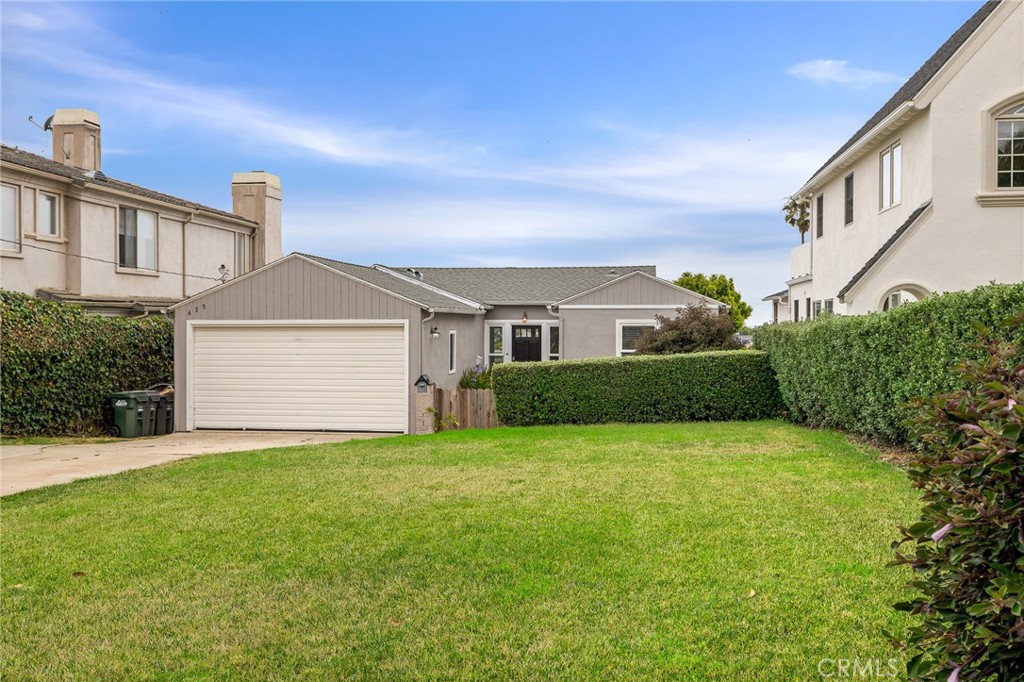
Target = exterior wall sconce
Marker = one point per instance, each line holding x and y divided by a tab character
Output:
525	317
434	333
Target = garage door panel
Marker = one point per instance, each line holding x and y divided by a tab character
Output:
301	377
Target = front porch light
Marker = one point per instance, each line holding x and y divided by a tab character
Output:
526	317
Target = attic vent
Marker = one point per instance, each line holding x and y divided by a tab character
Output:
96	175
613	273
415	273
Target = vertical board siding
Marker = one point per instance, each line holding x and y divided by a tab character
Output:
295	289
637	290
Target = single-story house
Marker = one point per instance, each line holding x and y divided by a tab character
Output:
310	343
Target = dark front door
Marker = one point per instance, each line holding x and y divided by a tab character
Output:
526	343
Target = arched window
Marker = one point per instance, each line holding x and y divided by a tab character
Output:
1010	148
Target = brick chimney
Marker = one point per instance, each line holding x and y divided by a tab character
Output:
257	196
76	138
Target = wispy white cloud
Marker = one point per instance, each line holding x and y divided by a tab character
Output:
841	72
31	37
738	168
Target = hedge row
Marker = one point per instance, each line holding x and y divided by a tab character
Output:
857	373
723	385
58	363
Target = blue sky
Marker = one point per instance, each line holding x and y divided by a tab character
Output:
481	134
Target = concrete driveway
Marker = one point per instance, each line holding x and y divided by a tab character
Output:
23	467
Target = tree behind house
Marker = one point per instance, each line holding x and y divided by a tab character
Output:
720	288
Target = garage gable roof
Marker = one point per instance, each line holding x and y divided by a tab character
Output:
427	297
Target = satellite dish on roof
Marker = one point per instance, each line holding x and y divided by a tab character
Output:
48	124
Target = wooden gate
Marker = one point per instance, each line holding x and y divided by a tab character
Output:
472	408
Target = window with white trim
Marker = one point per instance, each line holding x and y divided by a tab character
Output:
817	309
819	215
848	199
47	209
451	352
243	253
11	232
890	176
496	343
1010	148
554	343
629	332
136	239
829	305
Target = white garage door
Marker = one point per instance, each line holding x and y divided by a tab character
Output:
300	377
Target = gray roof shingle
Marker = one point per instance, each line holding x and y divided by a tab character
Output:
19	157
921	78
519	286
409	290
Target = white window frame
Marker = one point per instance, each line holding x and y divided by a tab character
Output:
55	220
849	199
15	247
1013	114
829	305
453	352
619	324
243	256
156	241
546	340
889	164
506	336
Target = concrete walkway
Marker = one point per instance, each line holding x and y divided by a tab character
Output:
23	467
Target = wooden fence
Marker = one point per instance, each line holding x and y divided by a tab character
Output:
473	408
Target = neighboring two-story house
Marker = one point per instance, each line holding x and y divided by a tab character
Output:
928	196
71	233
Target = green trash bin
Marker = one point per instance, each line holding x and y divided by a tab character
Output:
130	409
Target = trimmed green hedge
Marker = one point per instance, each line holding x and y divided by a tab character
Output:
857	373
58	363
721	385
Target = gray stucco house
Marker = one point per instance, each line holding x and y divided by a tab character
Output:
309	343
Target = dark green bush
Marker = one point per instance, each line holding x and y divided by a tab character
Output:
967	550
58	363
858	373
724	385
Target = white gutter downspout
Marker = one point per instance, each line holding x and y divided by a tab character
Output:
428	318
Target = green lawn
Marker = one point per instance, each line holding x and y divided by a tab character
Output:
739	551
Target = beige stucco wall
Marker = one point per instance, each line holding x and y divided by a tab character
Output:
293	289
961	244
87	244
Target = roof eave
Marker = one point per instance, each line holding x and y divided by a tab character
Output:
886	127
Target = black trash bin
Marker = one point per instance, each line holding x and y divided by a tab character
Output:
161	406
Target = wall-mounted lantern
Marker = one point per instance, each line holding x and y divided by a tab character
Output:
423	384
434	334
526	318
